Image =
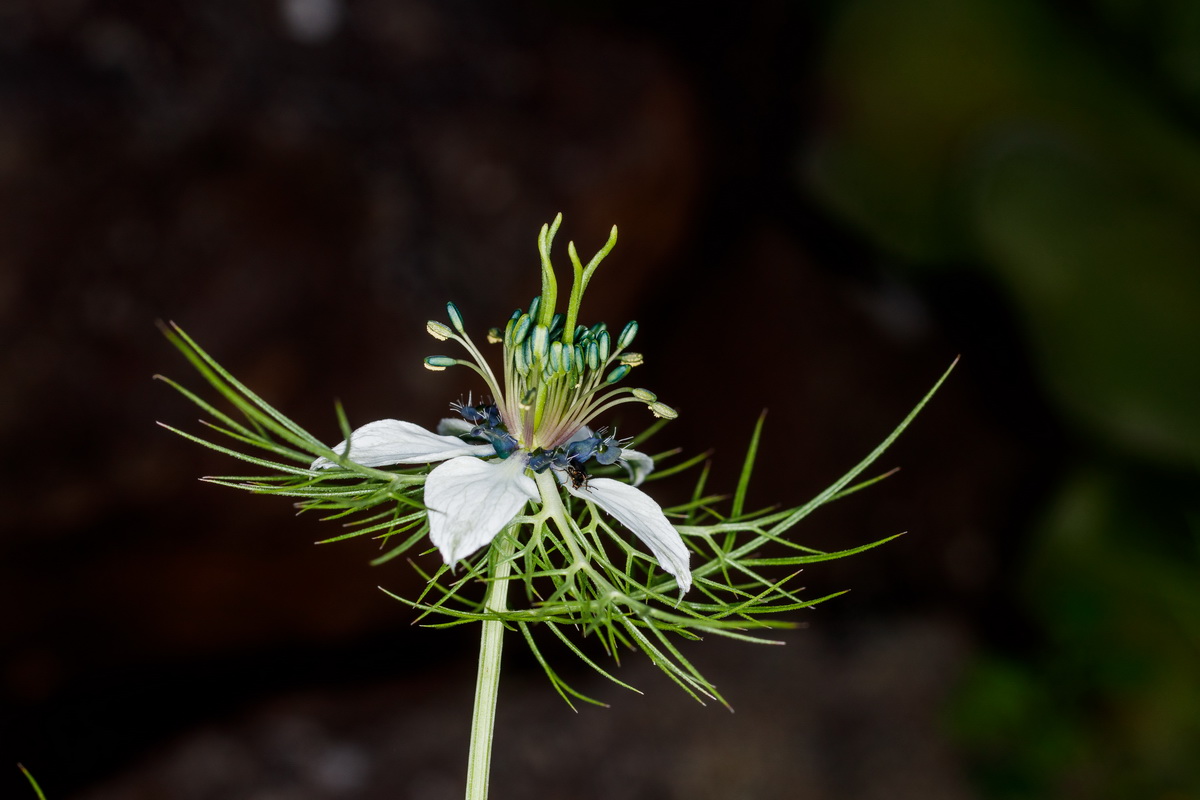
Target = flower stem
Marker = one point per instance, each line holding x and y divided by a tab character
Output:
487	682
552	505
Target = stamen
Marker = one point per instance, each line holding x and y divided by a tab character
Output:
632	359
626	339
438	331
455	318
521	330
540	344
617	374
663	411
556	357
556	371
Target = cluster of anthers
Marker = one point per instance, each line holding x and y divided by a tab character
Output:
558	377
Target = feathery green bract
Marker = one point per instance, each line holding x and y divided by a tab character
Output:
598	583
32	782
368	501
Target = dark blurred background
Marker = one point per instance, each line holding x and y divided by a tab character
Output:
820	204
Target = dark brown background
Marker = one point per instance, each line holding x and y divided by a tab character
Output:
814	220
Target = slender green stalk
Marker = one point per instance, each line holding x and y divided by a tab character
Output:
553	506
487	682
34	783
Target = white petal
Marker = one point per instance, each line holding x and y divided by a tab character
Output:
638	465
391	441
471	500
634	509
454	426
584	432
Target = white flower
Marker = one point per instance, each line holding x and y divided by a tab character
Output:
558	376
472	495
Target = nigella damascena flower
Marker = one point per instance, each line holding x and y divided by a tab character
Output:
558	377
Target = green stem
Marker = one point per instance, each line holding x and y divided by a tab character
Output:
552	505
487	682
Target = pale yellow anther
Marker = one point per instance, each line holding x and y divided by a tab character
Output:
438	331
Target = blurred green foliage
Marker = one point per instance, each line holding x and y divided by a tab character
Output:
988	132
1109	705
1055	150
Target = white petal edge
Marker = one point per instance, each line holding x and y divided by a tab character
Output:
584	432
393	441
453	426
637	464
638	512
471	500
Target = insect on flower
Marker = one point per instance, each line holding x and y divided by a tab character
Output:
558	376
578	477
495	487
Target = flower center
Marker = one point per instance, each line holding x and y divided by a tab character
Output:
558	375
556	381
488	426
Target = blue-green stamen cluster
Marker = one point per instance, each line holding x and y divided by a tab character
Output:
487	426
558	375
605	449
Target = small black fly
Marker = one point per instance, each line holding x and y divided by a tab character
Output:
578	477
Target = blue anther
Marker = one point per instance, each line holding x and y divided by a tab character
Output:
472	414
583	449
504	444
539	460
608	453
